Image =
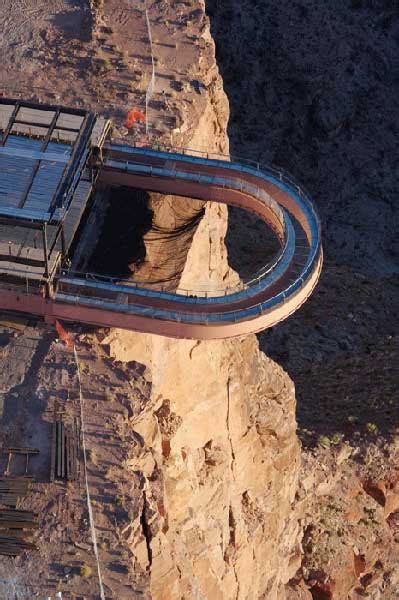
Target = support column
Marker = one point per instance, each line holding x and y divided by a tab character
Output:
45	250
63	244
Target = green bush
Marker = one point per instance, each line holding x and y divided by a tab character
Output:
85	571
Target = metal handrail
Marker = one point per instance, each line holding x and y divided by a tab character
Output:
169	315
241	290
232	158
286	253
226	162
94	293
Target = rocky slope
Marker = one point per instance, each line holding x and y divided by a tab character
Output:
314	87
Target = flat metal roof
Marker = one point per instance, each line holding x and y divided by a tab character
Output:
42	147
45	183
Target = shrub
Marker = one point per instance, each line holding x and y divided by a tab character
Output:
371	428
85	571
323	441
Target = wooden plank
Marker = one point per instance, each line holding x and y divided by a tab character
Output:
100	131
10	124
75	454
20	524
21	270
16	513
24	271
21	450
14	486
75	213
15	482
14	534
9	500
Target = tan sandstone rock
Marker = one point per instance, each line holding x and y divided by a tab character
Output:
220	428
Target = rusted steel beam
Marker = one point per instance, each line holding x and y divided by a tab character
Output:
53	450
58	463
22	450
63	452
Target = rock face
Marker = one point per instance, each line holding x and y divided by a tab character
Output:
220	456
173	255
220	440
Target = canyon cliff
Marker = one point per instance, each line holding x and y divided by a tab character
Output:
193	459
220	457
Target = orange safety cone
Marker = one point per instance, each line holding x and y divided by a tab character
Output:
64	335
134	116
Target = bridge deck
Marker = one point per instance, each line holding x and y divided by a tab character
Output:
45	183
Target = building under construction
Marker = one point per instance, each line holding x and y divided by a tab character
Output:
53	159
46	179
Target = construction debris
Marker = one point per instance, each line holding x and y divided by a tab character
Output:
15	522
12	535
14	322
17	519
65	449
26	451
14	545
13	488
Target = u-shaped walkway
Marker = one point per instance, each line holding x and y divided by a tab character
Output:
274	294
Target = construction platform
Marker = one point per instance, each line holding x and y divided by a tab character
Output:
51	160
45	182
